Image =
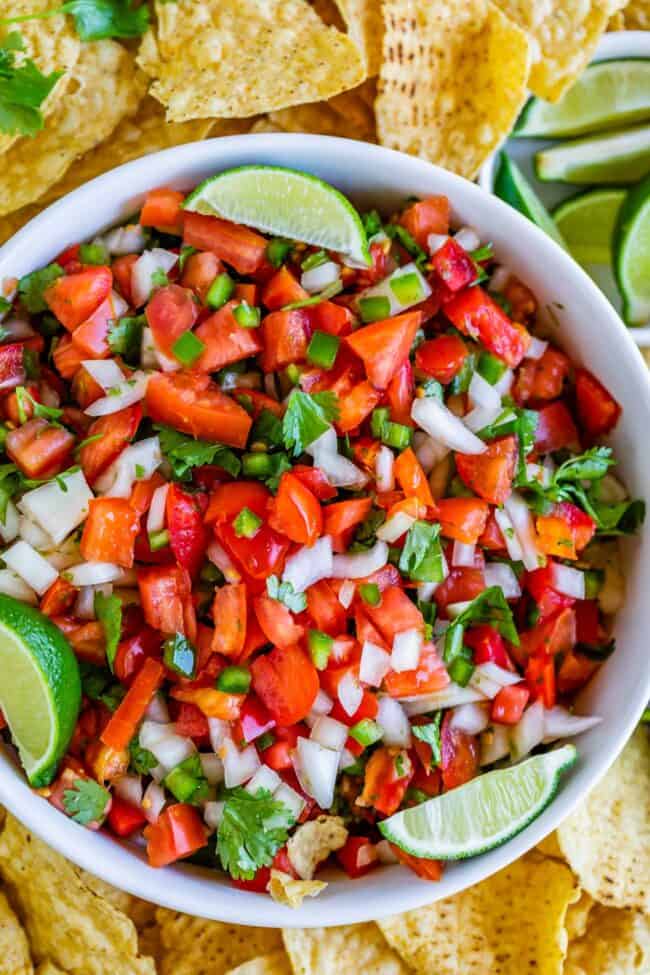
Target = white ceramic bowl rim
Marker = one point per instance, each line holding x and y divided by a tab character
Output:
372	176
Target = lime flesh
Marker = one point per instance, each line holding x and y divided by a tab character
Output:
617	157
632	254
511	185
609	94
285	203
483	813
587	223
40	688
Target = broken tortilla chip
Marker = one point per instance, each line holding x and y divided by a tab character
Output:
452	82
47	968
606	841
104	88
212	59
348	116
615	943
577	916
366	28
348	950
15	958
274	964
285	889
637	15
193	946
511	923
313	842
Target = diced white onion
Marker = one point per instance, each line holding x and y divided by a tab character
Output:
450	697
318	278
317	770
495	744
350	693
471	718
428	451
58	512
441	424
502	575
426	590
395	526
435	242
149	357
13	585
455	609
481	416
153	802
85	604
346	593
212	767
489	678
33	533
129	239
92	573
528	732
213	814
406	650
507	530
323	703
330	733
105	372
346	759
560	723
218	730
129	788
30	566
157	710
144	269
137	462
536	349
10	524
384	464
384	289
503	385
568	581
482	393
522	522
162	741
123	394
219	557
290	798
239	766
394	723
156	513
339	471
375	664
467	238
309	564
463	554
360	564
264	778
385	853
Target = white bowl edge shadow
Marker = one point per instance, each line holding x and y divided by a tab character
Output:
617	44
373	176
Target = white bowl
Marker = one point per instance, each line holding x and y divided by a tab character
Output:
618	44
588	328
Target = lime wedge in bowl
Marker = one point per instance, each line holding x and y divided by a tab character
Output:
483	813
632	254
40	688
285	203
609	94
511	185
614	157
587	223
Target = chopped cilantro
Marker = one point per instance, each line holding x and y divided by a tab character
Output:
98	685
371	223
285	594
489	607
421	559
108	610
253	828
25	398
87	802
307	417
23	88
98	19
142	761
430	733
32	286
183	453
396	232
125	335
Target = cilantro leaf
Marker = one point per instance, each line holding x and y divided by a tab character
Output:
125	335
307	417
490	607
366	534
285	594
268	428
87	802
99	19
590	466
11	481
23	88
108	610
513	419
32	286
142	761
430	733
25	398
396	232
253	828
97	684
421	558
183	453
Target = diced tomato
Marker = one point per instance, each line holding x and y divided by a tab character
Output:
195	405
227	501
384	346
426	869
287	683
555	429
277	622
285	338
143	492
124	721
442	357
542	379
225	340
539	585
40	448
59	598
124	818
178	832
386	779
67	357
342	516
428	216
85	389
278	755
296	512
365	630
254	721
188	536
133	651
356	405
109	532
540	680
488	646
429	676
122	270
461	585
163	209
190	722
74	297
394	614
453	265
368	708
554	635
165	594
399	394
69	256
170	313
258	557
246	291
574	672
598	411
565	531
212	702
490	474
314	479
329	317
282	289
492	538
412	479
199	272
325	609
463	519
12	366
460	755
114	432
509	704
91	337
474	313
358	856
233	244
87	640
230	613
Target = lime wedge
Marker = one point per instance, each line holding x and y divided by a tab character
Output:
609	94
285	203
511	185
40	688
481	814
616	157
587	222
632	254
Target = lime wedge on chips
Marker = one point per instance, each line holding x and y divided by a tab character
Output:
511	185
614	157
587	222
609	94
481	814
632	254
40	688
285	203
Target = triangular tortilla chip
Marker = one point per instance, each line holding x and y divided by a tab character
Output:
275	964
366	28
615	943
15	958
351	950
194	946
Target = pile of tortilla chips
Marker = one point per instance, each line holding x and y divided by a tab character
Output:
577	905
443	79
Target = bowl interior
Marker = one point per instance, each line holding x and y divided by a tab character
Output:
584	323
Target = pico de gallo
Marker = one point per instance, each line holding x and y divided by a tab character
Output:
327	540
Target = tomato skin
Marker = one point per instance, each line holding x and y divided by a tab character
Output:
587	621
170	312
116	431
542	379
358	856
400	393
384	346
453	265
123	722
225	340
426	869
429	676
575	670
230	612
165	594
254	721
442	357
227	500
491	473
509	704
258	557
285	337
190	722
124	818
122	268
286	682
555	429
540	679
460	755
84	388
343	515
597	409
329	317
356	405
325	609
132	653
295	511
12	367
199	272
74	297
235	245
474	312
188	537
488	646
110	531
195	405
163	208
314	479
282	289
548	601
277	622
394	614
428	216
178	832
386	779
461	585
67	357
556	634
39	448
463	519
59	598
412	479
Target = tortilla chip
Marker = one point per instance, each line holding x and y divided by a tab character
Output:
550	847
511	923
616	22
329	13
52	44
313	842
15	958
47	968
577	916
284	889
637	15
366	28
351	950
275	964
194	946
66	922
606	842
565	34
452	82
616	943
213	60
103	90
348	115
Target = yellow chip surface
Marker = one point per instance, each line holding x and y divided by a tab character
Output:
452	82
276	963
350	950
66	922
606	842
48	968
104	89
193	946
348	116
510	924
15	958
577	916
284	889
236	58
366	28
616	943
637	15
